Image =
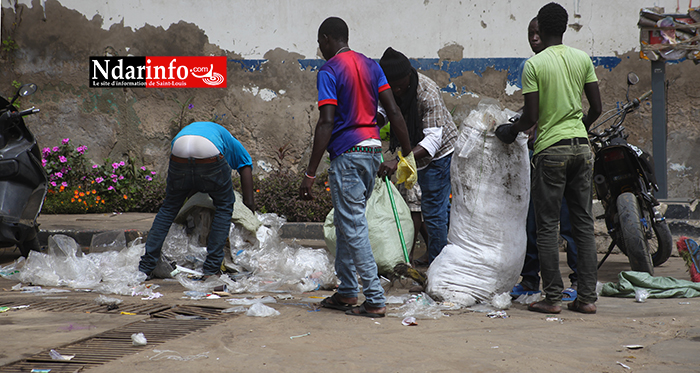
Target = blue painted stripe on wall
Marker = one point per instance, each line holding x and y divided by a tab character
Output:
454	68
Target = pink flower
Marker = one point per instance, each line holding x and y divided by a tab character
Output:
115	165
62	159
43	162
149	178
65	185
121	177
59	174
81	149
55	148
153	172
65	141
95	166
99	180
46	151
53	183
121	163
143	168
110	188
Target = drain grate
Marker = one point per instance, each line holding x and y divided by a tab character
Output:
90	307
113	344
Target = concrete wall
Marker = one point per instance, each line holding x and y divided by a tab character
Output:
473	49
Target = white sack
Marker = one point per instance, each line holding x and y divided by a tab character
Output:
490	195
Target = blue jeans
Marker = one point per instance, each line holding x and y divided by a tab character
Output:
435	186
558	172
531	267
351	179
184	178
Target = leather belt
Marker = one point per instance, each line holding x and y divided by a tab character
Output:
213	159
574	141
364	149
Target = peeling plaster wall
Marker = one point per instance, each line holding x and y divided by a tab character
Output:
472	49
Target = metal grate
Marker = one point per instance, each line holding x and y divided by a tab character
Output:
91	307
102	348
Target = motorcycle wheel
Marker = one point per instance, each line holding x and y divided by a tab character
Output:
632	233
661	243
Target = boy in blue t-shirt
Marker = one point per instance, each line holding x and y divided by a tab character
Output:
349	87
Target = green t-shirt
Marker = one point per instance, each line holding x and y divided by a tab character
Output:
558	73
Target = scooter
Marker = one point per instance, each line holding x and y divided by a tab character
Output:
23	181
624	180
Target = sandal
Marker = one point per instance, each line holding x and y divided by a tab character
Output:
362	311
569	294
577	306
333	302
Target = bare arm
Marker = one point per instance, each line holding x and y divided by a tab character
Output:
531	112
246	173
322	136
596	106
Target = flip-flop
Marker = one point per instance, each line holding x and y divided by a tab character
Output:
519	290
569	294
362	311
333	302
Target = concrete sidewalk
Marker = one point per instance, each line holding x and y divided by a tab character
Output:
136	224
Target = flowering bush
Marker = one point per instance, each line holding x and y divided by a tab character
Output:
76	186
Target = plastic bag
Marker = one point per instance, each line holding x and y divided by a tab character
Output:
490	195
260	310
383	234
406	170
108	241
421	307
138	339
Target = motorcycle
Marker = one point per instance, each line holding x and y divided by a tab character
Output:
624	180
23	181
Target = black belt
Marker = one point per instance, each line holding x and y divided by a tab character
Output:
213	159
364	149
574	141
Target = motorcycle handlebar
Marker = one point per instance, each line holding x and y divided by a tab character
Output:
645	95
19	114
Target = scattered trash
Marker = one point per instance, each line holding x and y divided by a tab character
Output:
251	301
497	314
641	295
127	313
420	306
40	370
481	307
552	318
56	356
212	296
12	271
409	321
261	310
501	301
109	301
4	309
195	295
138	339
683	302
174	355
397	299
527	299
284	296
299	336
21	307
190	317
623	365
237	309
633	347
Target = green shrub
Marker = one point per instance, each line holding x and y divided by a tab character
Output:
279	193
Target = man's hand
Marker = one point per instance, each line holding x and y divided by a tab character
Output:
305	188
506	133
387	168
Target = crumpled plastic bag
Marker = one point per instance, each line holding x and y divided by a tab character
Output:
260	310
406	170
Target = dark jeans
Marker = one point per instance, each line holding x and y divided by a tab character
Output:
531	268
435	187
565	172
183	178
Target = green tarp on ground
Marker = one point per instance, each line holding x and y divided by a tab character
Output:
658	287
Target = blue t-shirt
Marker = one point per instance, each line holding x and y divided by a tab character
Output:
230	148
351	82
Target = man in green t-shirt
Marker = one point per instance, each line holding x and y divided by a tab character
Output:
553	82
